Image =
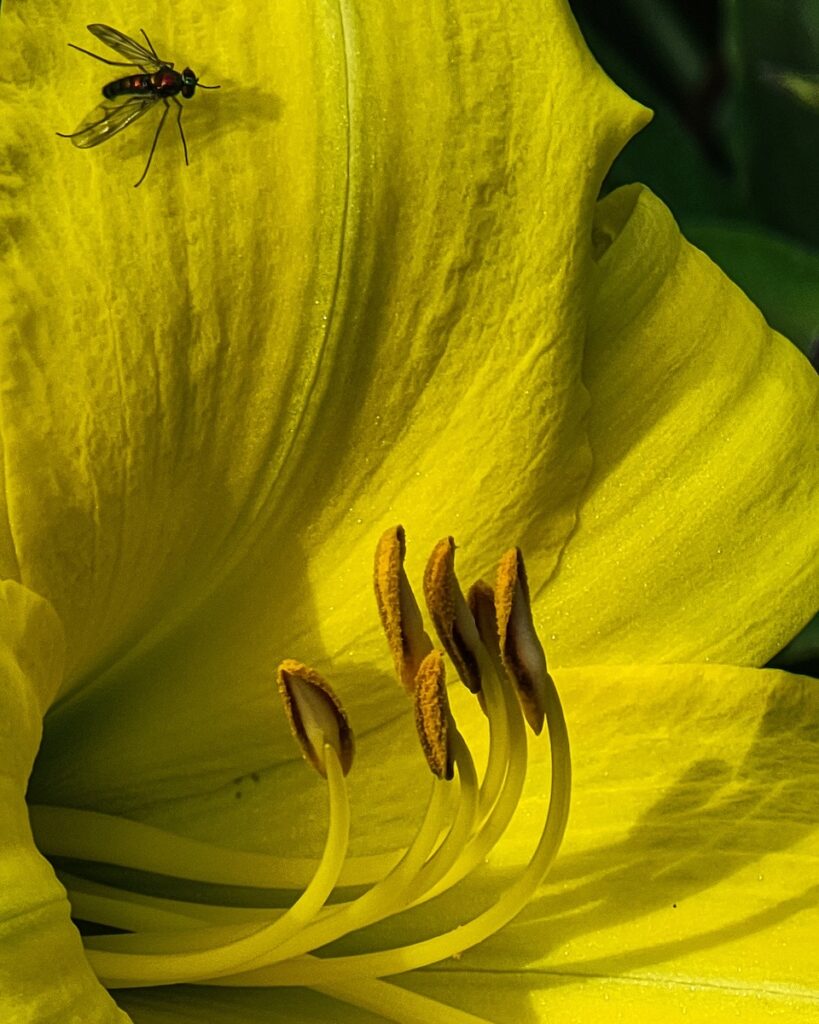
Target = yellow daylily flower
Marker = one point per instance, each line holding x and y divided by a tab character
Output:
384	288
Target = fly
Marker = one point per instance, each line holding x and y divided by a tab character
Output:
128	98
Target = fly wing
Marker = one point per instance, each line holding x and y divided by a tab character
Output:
125	46
109	119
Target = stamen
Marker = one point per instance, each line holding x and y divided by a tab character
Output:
315	715
451	850
406	884
99	838
450	615
481	601
320	971
433	719
387	897
520	647
481	604
492	642
399	611
329	971
139	965
460	938
137	912
91	901
507	763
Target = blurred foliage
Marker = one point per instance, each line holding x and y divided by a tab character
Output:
733	143
775	132
734	85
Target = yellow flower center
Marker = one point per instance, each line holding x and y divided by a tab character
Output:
491	640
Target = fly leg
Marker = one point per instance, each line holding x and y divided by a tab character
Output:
156	139
153	51
179	122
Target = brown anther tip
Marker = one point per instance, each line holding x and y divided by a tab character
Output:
481	601
451	615
315	715
520	647
432	715
397	607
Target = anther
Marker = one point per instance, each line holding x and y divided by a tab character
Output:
481	602
433	718
398	609
315	715
450	614
520	648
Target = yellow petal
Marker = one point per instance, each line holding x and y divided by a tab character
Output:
441	378
44	977
356	257
698	534
686	887
160	345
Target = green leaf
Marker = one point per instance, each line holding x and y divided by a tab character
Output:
776	131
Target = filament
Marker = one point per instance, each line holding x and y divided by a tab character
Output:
312	971
146	968
106	839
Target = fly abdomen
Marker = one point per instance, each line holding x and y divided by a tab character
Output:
131	84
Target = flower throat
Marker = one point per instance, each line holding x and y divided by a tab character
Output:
161	939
